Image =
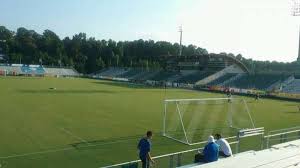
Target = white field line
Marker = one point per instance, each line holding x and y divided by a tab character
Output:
59	150
75	136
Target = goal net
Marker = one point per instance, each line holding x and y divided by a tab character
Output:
191	121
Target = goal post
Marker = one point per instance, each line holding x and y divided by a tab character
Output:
191	121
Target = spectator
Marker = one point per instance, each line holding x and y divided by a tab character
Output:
256	96
210	152
225	149
144	147
229	96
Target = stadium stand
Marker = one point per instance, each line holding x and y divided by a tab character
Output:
201	71
148	75
37	70
219	81
11	70
292	87
218	74
141	75
183	70
174	77
236	77
129	74
112	72
60	72
285	155
164	76
32	70
194	77
258	81
231	76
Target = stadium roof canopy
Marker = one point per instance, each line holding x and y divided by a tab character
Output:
202	62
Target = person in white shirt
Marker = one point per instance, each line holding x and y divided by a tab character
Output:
225	149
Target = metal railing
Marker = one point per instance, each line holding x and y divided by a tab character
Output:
282	135
171	160
244	133
186	157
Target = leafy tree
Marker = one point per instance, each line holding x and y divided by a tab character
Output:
88	55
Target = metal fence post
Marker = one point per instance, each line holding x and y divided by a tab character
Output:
281	138
179	160
171	161
262	141
268	139
285	137
237	146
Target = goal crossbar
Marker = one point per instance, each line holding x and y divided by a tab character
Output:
177	100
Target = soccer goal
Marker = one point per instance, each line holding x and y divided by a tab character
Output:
191	121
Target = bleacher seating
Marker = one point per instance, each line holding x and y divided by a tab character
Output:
61	72
228	78
221	79
129	74
32	70
20	69
293	87
194	77
148	75
141	75
11	69
112	72
258	81
286	155
163	75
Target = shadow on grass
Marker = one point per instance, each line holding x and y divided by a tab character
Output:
158	140
139	86
51	91
128	141
109	141
126	85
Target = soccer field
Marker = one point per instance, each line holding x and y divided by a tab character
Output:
93	123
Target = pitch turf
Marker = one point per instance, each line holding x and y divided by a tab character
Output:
92	123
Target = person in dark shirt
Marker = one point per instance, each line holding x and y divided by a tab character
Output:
256	96
229	96
144	147
210	152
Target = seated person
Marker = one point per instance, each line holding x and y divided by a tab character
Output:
225	149
210	152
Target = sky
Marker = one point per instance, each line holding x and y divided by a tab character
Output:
257	29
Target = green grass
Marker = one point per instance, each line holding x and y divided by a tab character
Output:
97	122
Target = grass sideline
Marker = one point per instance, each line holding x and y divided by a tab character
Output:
102	120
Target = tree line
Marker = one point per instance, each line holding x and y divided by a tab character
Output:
88	55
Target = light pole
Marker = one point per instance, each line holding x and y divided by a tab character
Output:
41	61
180	43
